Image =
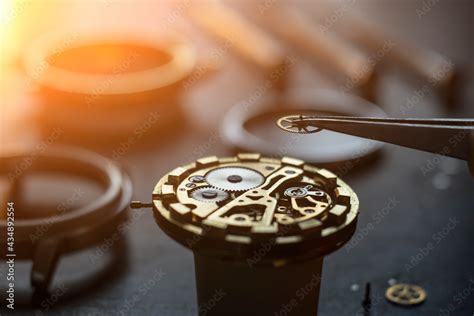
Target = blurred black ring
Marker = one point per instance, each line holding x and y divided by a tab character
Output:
81	221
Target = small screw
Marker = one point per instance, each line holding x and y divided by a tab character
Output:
367	302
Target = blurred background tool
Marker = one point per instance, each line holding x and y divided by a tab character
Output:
425	63
447	137
246	38
332	53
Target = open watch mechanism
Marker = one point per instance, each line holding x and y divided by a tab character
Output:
231	205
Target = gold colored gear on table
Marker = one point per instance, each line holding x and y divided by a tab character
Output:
405	294
320	220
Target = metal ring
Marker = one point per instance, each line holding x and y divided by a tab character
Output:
73	230
76	161
38	67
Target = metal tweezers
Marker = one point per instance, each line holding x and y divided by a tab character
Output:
448	137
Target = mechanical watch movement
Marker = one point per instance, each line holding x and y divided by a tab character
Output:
256	221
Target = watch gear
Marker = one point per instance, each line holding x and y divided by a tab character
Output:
234	178
209	194
405	294
297	124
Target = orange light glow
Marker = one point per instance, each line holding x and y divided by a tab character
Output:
6	11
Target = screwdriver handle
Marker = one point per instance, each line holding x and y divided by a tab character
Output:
246	38
300	30
425	62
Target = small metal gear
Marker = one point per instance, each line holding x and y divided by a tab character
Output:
234	178
297	124
209	194
405	294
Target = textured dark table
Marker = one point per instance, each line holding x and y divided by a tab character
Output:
403	230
